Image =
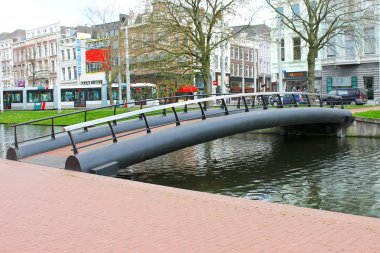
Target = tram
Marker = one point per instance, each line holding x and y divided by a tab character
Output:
89	96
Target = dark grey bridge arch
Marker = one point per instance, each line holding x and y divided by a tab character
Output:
221	122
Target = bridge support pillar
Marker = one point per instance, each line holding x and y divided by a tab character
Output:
284	131
341	132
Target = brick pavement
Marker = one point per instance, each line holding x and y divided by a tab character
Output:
50	210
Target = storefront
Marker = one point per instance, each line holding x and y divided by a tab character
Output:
295	80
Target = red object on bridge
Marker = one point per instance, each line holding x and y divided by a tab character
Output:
187	89
214	82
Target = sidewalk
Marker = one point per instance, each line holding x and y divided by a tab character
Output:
50	210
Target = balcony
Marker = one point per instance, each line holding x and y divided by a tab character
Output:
342	60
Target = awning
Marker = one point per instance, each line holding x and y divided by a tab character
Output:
187	88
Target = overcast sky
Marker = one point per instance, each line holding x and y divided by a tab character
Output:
29	14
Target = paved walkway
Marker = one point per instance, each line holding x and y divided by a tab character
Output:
50	210
364	109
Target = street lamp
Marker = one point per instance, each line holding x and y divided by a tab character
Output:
59	107
127	72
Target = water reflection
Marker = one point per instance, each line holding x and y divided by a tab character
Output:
23	133
324	173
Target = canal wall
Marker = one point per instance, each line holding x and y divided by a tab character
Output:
360	127
364	127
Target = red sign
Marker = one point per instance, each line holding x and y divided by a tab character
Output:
214	82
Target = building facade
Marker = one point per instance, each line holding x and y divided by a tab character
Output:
352	59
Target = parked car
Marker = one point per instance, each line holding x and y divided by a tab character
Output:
288	99
352	96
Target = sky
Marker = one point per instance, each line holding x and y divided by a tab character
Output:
29	14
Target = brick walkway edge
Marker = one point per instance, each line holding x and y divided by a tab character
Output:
49	210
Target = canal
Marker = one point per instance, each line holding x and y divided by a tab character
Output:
333	174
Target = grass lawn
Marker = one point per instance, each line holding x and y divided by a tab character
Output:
368	114
15	117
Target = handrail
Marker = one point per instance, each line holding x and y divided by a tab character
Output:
162	107
141	113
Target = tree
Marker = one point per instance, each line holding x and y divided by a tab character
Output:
321	22
34	65
185	33
110	40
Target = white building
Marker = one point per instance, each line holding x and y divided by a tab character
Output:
352	59
293	65
6	56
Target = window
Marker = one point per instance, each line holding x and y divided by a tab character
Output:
251	56
331	51
74	53
63	74
69	72
350	43
237	53
75	72
237	70
280	12
251	72
62	54
282	50
52	66
247	71
297	48
144	39
241	70
176	39
369	41
68	54
247	55
232	69
242	53
232	53
134	41
295	11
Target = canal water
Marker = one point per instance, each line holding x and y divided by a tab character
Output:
325	173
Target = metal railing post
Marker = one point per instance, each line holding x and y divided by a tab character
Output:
75	149
280	101
341	103
203	112
331	102
295	100
308	101
225	107
52	129
164	110
146	123
253	102
15	133
176	117
85	120
112	132
238	103
265	106
114	113
245	104
320	101
186	104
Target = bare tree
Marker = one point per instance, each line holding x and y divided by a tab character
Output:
322	21
34	65
185	33
107	31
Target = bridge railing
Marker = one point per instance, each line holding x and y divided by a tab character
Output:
244	102
52	120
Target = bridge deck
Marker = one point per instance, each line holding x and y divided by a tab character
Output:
56	158
49	210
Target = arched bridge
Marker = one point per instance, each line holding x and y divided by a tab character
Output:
107	144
